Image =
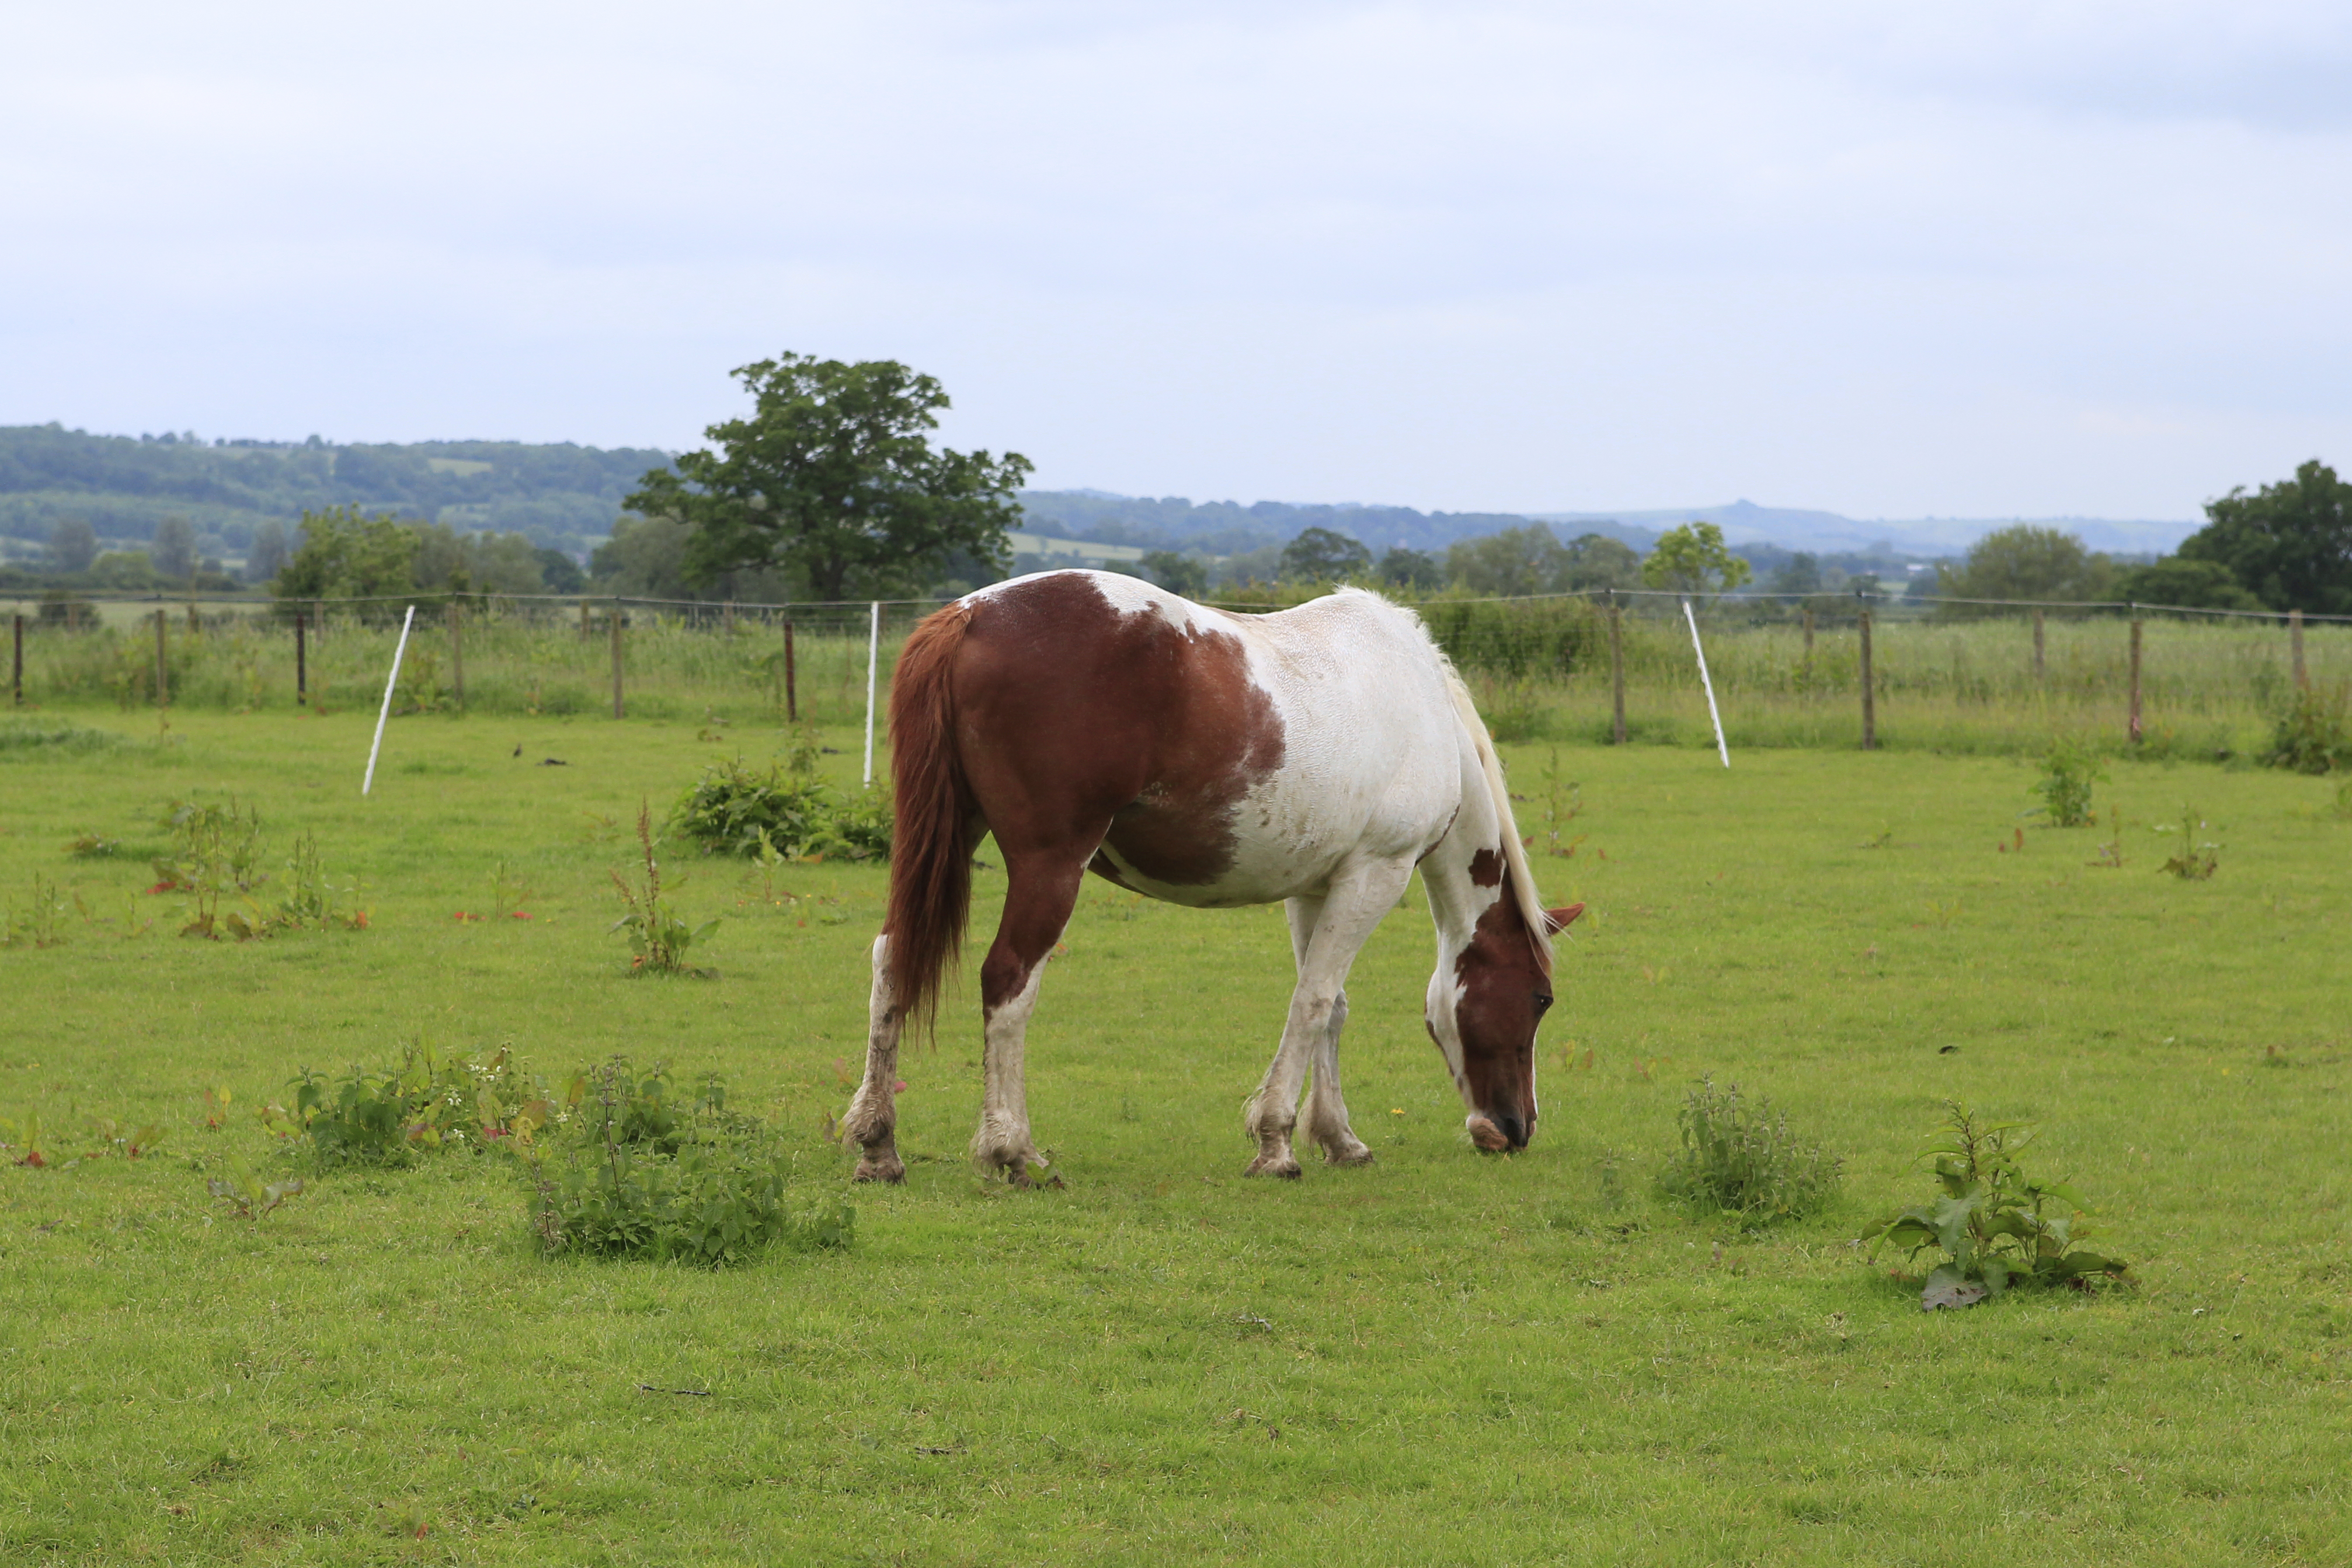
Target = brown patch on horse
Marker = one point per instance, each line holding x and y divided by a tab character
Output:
1486	868
1103	866
1079	721
1495	1020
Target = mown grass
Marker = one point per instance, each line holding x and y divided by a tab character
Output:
1442	1358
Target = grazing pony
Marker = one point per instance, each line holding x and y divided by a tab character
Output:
1093	722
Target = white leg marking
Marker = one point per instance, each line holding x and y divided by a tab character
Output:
872	1119
1002	1140
1356	903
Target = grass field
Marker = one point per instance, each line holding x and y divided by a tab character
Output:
1442	1358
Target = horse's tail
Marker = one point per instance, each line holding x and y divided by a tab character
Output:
930	851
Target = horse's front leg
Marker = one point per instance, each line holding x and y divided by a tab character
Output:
872	1119
1327	940
1327	1113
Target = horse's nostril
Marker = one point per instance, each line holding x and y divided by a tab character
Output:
1513	1130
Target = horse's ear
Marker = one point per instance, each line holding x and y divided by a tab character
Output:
1557	920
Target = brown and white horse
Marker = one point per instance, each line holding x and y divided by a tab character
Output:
1093	722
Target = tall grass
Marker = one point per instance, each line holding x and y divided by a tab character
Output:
1540	669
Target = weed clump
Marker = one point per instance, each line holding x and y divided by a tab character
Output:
658	934
215	857
633	1173
38	921
388	1116
1741	1160
1996	1226
2311	734
736	810
2195	861
2068	772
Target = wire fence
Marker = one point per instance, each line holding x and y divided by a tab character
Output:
1788	669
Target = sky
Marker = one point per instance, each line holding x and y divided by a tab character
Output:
1990	259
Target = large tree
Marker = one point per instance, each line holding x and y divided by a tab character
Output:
346	553
1693	558
2291	542
1323	555
834	480
2024	561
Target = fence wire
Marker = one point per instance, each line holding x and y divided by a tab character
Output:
1961	673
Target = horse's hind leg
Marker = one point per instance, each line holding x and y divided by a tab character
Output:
872	1119
1043	890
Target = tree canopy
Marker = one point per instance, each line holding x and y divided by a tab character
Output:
1693	558
834	480
1184	574
2188	582
2026	562
1320	555
2289	543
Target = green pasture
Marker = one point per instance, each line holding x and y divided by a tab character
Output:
1442	1358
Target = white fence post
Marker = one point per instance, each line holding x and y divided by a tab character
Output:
390	681
1722	750
873	658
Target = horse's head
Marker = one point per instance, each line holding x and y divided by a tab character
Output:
1483	1011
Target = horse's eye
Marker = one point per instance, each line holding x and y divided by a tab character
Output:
1543	1003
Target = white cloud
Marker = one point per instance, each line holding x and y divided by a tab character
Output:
1998	258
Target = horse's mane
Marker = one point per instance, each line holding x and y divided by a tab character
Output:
1522	877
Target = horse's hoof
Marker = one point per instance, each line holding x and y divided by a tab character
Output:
888	1167
1285	1165
1359	1156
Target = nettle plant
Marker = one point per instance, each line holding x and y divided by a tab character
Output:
1996	1226
636	1171
2068	773
1743	1159
734	808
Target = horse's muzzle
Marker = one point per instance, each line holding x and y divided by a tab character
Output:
1499	1134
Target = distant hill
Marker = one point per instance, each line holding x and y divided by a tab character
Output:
562	495
1228	527
1828	533
1766	534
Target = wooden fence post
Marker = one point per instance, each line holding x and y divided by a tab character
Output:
162	688
1616	671
1869	692
301	661
2294	640
2135	674
1809	638
616	658
584	619
457	652
727	619
792	687
17	682
2037	647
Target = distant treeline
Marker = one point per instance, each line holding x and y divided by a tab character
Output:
562	495
1228	527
